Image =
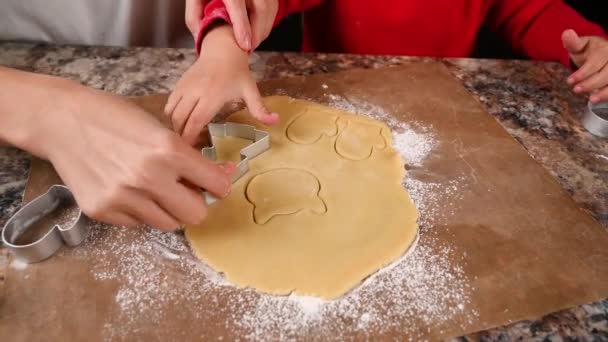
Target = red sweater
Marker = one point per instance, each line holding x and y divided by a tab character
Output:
442	28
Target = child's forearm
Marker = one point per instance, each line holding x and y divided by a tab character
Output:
220	42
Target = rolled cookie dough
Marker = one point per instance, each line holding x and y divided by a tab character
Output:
316	214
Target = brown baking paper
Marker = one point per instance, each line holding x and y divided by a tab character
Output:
525	247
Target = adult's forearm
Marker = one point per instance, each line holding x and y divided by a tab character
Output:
27	101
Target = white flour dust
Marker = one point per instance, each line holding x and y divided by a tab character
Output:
18	265
413	141
427	288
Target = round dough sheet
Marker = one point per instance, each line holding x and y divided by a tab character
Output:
317	213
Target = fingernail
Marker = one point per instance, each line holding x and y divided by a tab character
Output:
227	191
594	99
570	80
247	42
275	117
228	168
578	89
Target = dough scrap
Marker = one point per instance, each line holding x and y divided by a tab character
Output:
316	214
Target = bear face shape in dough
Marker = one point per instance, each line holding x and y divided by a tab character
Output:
299	192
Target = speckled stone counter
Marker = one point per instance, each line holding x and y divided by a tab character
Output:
531	100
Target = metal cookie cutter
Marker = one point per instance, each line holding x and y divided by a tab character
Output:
57	197
261	143
595	119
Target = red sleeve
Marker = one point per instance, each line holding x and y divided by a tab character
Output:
216	10
534	27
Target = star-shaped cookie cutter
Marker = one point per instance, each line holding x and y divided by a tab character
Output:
56	197
260	144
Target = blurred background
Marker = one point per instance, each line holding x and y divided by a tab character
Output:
287	36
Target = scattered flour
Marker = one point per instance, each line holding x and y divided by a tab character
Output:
601	156
426	288
18	265
413	141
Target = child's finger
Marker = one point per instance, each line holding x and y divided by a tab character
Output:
201	115
257	109
182	113
172	102
596	81
573	43
599	96
590	67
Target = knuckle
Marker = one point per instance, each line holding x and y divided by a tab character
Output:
172	149
114	195
94	210
170	142
109	198
141	175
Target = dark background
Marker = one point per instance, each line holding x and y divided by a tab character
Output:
287	36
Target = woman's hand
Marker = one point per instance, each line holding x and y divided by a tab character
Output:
590	54
122	165
221	74
125	168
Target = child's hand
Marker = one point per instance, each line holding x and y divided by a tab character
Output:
590	54
221	74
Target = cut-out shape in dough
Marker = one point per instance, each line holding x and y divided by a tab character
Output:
299	192
357	140
311	125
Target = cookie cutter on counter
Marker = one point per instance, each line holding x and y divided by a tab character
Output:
43	247
261	143
595	119
59	196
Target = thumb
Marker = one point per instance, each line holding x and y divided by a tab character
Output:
257	109
573	43
240	23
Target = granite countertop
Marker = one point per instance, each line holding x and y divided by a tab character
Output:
530	100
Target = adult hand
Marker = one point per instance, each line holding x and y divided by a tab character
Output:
252	20
194	14
122	165
590	54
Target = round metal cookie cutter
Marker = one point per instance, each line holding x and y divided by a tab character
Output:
595	119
